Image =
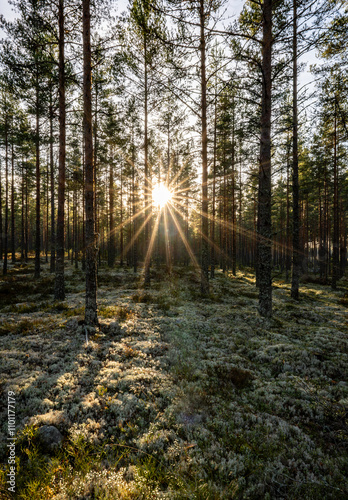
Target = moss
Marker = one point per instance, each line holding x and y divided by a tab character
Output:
23	326
144	298
75	311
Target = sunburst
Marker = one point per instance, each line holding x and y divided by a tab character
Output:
161	195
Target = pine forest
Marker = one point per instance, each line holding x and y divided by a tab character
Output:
173	249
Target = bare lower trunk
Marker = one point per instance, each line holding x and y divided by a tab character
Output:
13	247
147	186
38	208
212	229
205	228
264	254
91	317
6	198
111	252
53	230
336	223
59	291
296	254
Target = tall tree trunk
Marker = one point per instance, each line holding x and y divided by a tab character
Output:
6	197
296	250
22	213
111	252
204	217
83	209
59	290
233	186
121	220
288	235
264	254
37	175
13	247
1	221
26	248
91	317
343	241
135	207
53	230
147	186
212	226
47	211
336	222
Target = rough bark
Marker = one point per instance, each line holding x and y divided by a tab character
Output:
59	290
13	243
111	252
53	230
296	251
147	173
205	228
1	222
212	226
264	254
37	176
336	222
6	198
91	244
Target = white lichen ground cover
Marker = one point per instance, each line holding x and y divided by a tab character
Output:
187	397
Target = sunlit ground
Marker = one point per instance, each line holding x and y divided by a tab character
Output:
181	397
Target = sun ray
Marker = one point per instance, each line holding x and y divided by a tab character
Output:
129	220
183	237
200	232
166	239
239	230
135	236
152	240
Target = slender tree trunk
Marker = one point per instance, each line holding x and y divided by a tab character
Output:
204	218
26	218
13	243
53	230
83	209
233	201
212	226
22	213
37	175
121	220
59	290
343	241
6	197
91	317
135	207
111	252
296	250
47	211
1	221
265	191
148	195
336	222
288	236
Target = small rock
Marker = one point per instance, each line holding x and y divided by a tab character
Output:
50	438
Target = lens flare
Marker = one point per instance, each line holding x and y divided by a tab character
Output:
161	195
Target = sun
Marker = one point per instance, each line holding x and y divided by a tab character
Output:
161	195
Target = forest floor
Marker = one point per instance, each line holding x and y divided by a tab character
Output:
175	396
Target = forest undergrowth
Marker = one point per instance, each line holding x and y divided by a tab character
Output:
175	395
